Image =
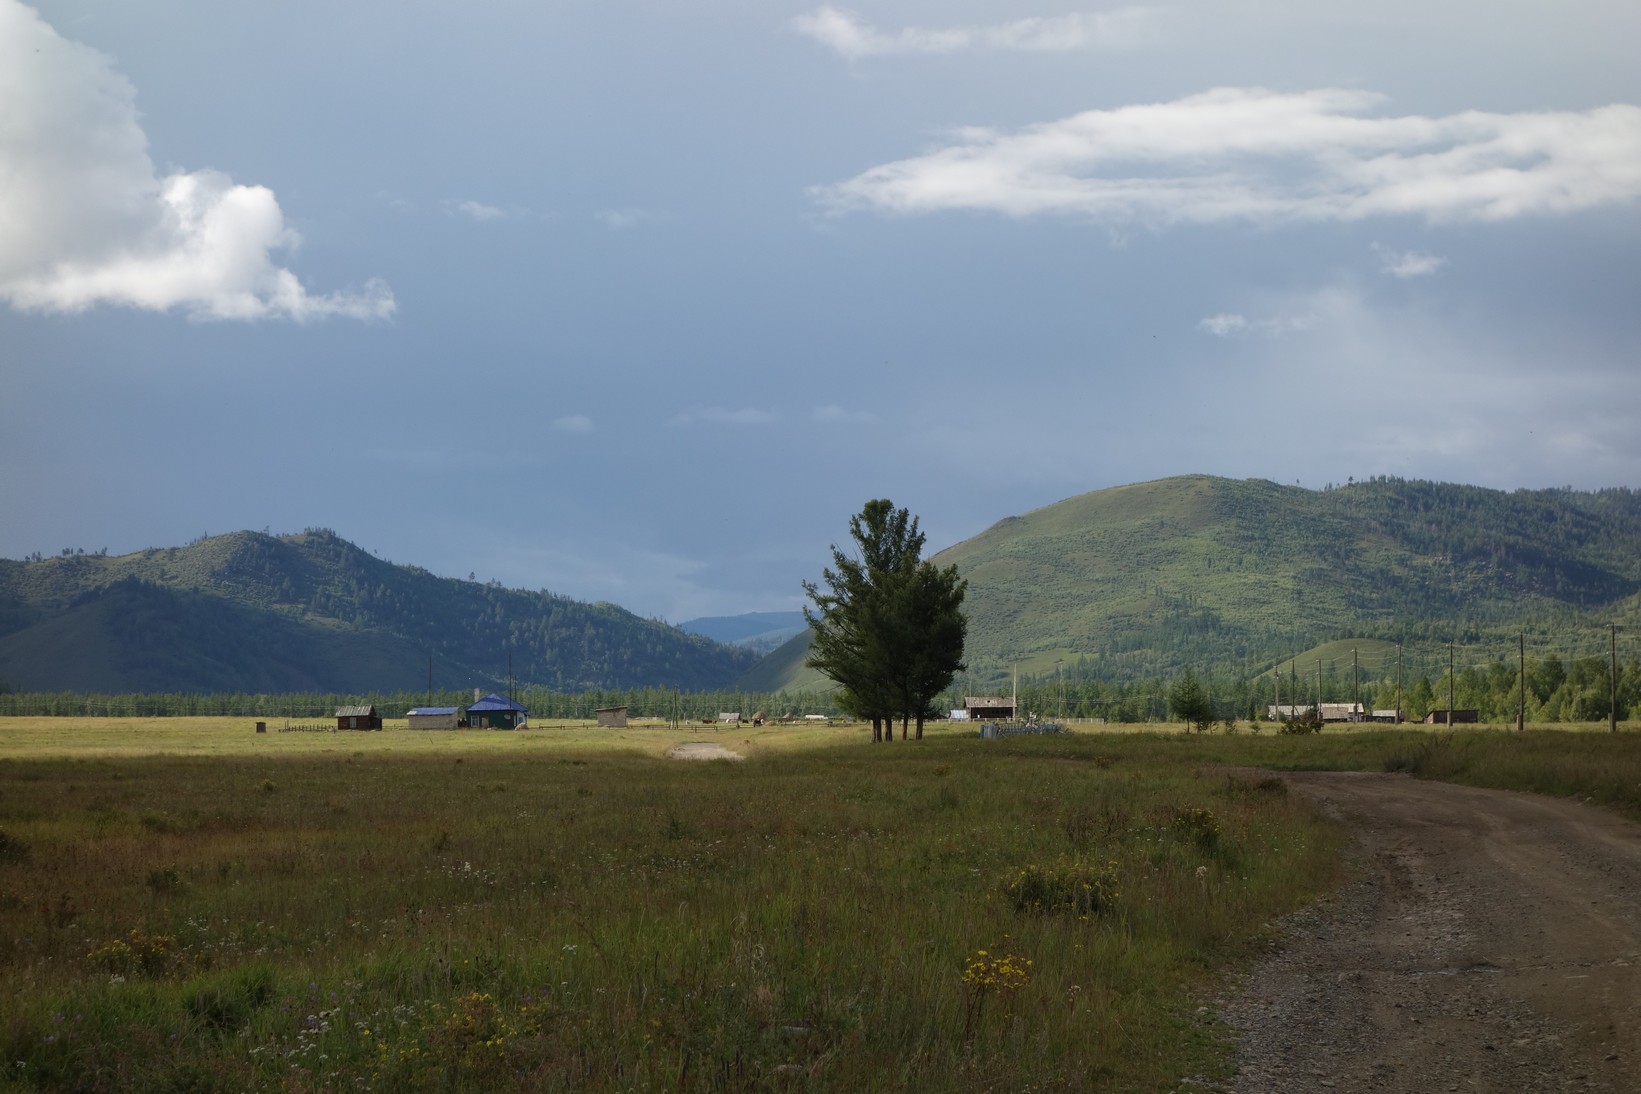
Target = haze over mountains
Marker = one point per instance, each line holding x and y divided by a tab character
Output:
1125	582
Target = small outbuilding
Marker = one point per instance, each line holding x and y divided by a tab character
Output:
988	708
497	712
1451	717
358	717
434	718
612	717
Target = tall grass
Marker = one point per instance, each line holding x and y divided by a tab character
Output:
599	920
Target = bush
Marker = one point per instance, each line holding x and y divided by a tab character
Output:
1077	888
12	849
1198	826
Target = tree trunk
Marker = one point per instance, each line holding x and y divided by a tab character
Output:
903	723
877	729
920	727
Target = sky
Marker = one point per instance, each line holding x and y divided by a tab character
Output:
640	300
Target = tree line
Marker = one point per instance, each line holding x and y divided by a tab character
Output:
1558	690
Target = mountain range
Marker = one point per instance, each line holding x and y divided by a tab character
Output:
250	612
1237	575
1120	583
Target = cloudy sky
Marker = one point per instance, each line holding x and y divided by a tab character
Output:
639	300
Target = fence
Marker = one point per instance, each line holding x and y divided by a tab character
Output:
1014	729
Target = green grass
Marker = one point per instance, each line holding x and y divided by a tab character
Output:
568	910
592	918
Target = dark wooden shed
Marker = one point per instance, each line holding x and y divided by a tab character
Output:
359	717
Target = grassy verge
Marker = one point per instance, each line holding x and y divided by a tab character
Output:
949	916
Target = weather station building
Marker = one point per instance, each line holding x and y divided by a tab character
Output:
497	712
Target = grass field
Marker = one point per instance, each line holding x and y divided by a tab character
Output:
186	904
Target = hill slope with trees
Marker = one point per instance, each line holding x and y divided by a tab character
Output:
312	612
1233	576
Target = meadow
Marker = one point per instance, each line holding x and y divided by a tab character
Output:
185	904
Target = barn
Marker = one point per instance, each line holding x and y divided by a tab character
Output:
433	718
497	712
612	717
359	717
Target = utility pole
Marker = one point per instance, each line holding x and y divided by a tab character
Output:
1398	683
1356	686
1521	697
1060	680
1612	696
1318	689
1450	685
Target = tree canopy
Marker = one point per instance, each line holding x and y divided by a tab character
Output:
888	626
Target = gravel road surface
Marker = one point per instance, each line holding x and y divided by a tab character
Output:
1489	941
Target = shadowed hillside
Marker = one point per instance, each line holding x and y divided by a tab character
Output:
253	612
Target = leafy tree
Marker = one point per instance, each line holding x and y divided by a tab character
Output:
888	626
1190	701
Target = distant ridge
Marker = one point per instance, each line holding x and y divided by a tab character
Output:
250	612
1238	574
757	631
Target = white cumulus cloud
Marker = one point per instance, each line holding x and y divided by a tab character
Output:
476	210
85	219
1225	324
1252	155
1234	324
1406	264
846	33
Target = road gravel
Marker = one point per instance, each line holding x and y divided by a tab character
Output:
1487	941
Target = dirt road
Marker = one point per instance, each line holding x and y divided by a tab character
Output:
1492	942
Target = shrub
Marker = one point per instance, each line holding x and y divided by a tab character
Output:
12	849
136	954
1199	826
1079	888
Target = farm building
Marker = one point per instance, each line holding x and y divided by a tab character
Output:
1342	712
612	717
360	717
1451	717
434	718
988	708
1394	717
497	712
1288	712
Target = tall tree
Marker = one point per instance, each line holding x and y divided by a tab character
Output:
888	627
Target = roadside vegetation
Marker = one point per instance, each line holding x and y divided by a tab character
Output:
570	910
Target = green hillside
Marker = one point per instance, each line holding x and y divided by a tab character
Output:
1240	575
312	612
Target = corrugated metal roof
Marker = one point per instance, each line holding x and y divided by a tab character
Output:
430	711
355	712
494	702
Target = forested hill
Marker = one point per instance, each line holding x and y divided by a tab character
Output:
313	612
1238	574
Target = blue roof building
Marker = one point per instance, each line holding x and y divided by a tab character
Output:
497	712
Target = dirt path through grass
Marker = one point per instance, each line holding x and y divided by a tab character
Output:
1491	941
